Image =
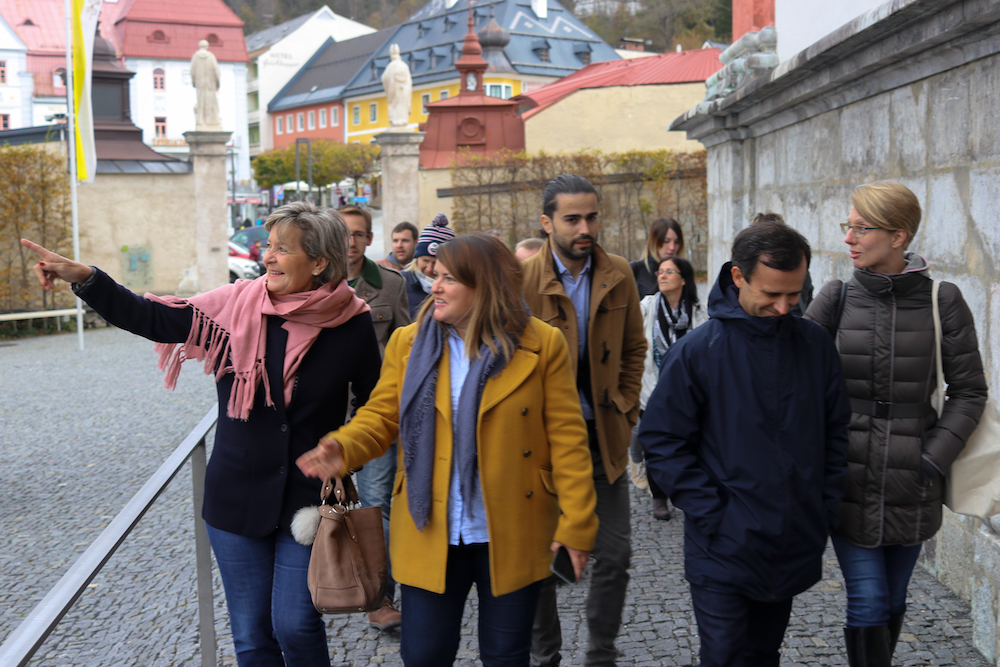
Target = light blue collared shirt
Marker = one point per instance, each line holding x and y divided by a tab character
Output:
462	529
578	292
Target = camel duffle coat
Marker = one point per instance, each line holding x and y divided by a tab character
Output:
899	449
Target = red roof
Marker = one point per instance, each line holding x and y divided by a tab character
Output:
131	25
46	29
668	68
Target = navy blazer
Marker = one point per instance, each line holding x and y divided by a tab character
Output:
252	485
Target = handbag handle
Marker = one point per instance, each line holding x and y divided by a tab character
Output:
343	490
937	398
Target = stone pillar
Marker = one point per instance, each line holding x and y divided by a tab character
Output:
400	181
208	159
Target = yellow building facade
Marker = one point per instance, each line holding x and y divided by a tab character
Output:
368	115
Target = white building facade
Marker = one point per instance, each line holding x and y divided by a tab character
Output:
16	83
277	53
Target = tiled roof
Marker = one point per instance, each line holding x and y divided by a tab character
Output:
431	40
668	68
132	26
39	24
323	77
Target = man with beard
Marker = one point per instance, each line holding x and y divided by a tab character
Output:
591	296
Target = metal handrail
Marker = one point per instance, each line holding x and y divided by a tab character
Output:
25	640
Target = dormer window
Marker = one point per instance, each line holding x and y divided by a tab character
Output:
59	78
422	29
213	39
541	48
448	23
158	37
583	52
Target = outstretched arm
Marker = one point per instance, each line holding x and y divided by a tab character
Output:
51	266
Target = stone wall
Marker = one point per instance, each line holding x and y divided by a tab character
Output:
909	92
139	229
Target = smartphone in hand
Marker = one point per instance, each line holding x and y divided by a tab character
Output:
562	566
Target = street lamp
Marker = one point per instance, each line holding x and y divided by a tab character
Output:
304	140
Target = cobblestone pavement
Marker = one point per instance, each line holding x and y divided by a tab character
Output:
82	432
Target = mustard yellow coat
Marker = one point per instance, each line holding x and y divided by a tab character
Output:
534	462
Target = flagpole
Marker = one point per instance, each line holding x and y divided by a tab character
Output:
71	131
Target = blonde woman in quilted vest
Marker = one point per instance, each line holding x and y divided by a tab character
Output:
900	450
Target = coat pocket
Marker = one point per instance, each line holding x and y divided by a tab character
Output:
546	475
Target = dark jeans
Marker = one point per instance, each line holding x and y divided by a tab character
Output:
432	622
736	631
608	579
375	482
876	580
271	612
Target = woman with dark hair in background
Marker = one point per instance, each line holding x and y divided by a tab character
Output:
495	470
665	240
275	346
666	316
899	448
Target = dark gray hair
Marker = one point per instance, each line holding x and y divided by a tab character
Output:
324	234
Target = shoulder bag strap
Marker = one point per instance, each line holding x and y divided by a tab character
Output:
937	399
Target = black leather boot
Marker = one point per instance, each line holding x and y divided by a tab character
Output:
868	647
895	627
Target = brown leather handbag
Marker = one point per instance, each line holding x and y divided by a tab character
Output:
348	569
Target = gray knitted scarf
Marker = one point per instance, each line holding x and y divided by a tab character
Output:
417	418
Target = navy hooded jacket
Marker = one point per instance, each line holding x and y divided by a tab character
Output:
746	431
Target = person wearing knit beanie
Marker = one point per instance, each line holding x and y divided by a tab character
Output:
433	235
419	274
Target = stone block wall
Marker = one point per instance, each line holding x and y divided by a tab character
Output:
907	92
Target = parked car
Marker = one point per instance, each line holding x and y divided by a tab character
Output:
248	236
243	268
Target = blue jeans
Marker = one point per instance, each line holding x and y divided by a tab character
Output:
432	622
876	580
271	612
737	631
375	482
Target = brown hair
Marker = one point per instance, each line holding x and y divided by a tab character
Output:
888	205
484	263
658	233
357	210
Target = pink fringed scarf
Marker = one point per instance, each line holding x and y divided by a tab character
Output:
230	324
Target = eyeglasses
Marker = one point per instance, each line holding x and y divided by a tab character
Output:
360	236
858	231
667	272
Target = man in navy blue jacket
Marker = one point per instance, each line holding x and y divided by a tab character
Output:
747	432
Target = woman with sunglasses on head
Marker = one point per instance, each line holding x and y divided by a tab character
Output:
495	468
899	449
667	315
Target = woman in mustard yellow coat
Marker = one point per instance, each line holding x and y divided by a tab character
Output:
494	466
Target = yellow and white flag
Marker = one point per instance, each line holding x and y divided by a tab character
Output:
84	26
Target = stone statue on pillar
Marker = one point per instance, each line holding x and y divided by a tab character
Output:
398	89
205	78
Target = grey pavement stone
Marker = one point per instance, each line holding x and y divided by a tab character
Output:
82	432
